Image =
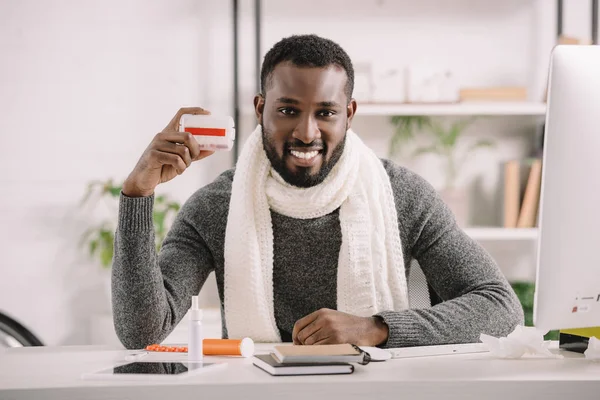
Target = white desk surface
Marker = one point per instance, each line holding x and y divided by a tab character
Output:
54	373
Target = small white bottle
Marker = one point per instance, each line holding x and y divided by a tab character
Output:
195	332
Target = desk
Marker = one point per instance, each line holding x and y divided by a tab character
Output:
54	373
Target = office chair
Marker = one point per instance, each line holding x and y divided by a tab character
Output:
13	334
420	292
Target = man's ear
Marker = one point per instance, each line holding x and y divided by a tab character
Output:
259	107
350	111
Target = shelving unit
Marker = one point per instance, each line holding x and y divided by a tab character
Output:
513	248
459	109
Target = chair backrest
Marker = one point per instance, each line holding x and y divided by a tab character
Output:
419	295
14	334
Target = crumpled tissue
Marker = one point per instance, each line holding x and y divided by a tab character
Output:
523	341
593	349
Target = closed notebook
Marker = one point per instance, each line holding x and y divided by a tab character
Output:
268	363
326	353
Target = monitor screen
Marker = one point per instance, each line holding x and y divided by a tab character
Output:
567	292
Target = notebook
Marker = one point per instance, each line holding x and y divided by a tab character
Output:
326	353
268	363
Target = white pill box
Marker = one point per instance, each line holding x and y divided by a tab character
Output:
212	132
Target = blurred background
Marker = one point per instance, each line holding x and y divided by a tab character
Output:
452	89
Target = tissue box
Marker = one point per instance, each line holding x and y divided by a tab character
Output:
577	339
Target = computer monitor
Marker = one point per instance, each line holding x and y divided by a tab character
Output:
567	293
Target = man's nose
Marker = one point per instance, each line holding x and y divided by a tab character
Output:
307	130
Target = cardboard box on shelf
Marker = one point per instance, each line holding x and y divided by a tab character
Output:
500	93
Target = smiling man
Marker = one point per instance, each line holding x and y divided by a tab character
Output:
304	158
311	236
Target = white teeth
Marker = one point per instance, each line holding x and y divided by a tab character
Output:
303	155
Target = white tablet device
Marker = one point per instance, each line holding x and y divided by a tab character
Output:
153	370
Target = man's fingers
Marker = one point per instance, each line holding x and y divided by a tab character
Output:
203	154
324	340
179	149
302	323
313	333
174	123
170	159
184	138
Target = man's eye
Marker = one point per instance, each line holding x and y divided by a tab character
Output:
326	113
288	111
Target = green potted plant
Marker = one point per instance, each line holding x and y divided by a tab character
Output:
99	238
442	141
525	292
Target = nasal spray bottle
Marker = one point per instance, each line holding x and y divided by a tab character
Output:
195	332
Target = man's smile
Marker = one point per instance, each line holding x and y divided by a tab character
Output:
305	157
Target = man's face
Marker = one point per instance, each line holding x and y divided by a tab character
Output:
304	117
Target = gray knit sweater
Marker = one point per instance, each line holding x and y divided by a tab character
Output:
151	293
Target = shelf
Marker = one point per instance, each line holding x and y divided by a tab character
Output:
489	234
467	108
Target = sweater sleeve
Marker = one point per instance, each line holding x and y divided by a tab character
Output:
476	296
152	292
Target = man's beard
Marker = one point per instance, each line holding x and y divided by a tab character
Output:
302	178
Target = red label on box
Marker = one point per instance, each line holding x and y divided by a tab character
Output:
206	131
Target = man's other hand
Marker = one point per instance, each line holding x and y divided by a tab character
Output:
327	326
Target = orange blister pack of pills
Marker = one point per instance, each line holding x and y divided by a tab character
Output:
213	347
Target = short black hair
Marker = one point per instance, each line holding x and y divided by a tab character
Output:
307	51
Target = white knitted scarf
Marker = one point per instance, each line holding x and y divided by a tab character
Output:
370	277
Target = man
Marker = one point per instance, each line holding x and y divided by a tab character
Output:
311	236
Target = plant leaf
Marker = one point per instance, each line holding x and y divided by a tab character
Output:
107	235
453	133
159	220
395	144
456	129
438	131
406	126
85	236
99	239
426	149
480	143
106	255
88	191
174	206
115	191
93	246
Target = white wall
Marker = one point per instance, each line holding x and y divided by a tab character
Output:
84	85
